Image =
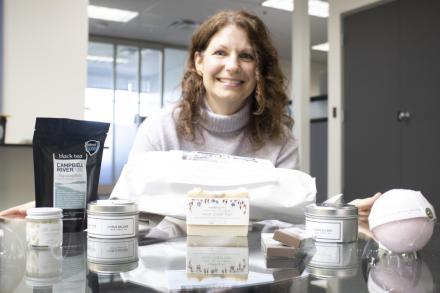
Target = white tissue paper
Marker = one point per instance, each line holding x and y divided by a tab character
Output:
159	181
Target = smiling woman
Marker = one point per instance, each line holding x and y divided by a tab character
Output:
233	99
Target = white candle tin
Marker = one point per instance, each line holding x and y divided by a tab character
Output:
334	260
332	222
112	219
112	255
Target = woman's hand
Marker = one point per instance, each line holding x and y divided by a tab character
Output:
18	211
364	205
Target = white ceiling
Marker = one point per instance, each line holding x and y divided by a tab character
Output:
155	17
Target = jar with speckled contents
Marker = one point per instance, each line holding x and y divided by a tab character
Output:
44	227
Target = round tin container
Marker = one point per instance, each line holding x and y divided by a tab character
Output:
112	219
112	255
334	260
332	222
112	268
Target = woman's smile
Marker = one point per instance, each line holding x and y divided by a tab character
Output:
230	82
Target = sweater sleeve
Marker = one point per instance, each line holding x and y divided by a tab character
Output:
288	157
156	133
142	142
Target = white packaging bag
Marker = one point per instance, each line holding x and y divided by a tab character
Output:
159	181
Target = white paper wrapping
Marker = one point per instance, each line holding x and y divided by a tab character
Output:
159	182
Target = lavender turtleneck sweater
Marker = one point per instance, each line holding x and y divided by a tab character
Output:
221	134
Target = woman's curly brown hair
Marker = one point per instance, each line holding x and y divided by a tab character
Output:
269	99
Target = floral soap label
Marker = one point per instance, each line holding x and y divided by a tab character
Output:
217	261
217	211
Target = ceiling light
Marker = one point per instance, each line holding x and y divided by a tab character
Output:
111	14
316	7
321	47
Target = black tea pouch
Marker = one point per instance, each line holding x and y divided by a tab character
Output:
67	163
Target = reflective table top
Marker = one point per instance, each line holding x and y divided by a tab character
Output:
163	259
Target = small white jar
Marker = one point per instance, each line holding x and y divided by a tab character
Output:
112	219
44	227
43	266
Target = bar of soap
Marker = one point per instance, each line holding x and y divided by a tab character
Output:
286	263
294	237
273	248
287	274
217	256
217	213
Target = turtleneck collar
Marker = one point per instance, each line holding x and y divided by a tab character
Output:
225	123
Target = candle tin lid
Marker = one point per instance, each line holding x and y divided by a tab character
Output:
112	206
332	210
44	213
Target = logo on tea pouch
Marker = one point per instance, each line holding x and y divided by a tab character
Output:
92	147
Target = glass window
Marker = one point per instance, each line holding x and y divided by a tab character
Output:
126	103
99	99
151	92
125	84
174	65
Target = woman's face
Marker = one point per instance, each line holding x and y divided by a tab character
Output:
228	68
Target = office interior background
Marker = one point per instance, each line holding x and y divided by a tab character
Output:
59	61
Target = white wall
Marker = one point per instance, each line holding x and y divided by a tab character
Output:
16	175
318	72
335	83
45	69
317	69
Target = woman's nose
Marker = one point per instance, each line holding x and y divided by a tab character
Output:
232	64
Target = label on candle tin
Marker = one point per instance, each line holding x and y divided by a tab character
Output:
327	254
112	250
112	227
326	230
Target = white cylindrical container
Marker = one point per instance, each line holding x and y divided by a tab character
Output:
332	222
112	255
44	227
334	260
112	219
43	266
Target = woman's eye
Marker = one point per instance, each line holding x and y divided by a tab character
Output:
220	53
247	57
